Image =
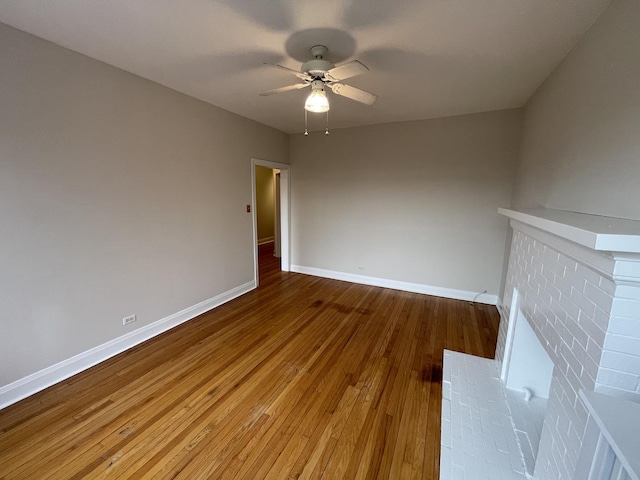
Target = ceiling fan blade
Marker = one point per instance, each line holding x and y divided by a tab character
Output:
354	93
347	70
296	86
297	73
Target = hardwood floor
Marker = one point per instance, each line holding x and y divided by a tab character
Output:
302	378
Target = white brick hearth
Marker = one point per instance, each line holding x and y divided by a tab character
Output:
577	279
478	441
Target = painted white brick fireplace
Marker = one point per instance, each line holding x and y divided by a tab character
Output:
578	283
575	280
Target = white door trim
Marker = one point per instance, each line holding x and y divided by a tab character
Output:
285	244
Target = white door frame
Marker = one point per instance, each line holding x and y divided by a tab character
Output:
278	229
285	227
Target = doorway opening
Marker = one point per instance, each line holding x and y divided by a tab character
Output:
270	207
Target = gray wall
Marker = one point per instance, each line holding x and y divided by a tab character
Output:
117	197
414	202
581	140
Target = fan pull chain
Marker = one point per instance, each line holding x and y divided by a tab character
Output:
306	121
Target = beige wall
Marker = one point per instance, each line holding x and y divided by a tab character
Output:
265	210
117	197
413	202
581	140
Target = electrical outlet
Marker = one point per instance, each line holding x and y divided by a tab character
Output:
128	320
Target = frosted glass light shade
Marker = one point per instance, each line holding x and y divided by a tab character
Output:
317	102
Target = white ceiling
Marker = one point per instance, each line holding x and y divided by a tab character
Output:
427	58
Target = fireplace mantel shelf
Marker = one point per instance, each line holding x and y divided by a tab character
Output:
606	234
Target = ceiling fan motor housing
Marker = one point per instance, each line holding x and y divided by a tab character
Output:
318	66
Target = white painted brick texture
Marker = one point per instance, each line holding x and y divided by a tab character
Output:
477	437
589	326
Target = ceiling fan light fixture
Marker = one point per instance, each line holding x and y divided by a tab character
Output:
317	101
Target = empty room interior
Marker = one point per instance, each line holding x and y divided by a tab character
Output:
342	240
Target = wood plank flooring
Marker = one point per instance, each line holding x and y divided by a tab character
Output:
302	378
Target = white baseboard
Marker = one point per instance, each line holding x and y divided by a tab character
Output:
42	379
262	241
398	285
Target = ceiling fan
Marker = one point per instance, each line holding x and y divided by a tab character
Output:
319	73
